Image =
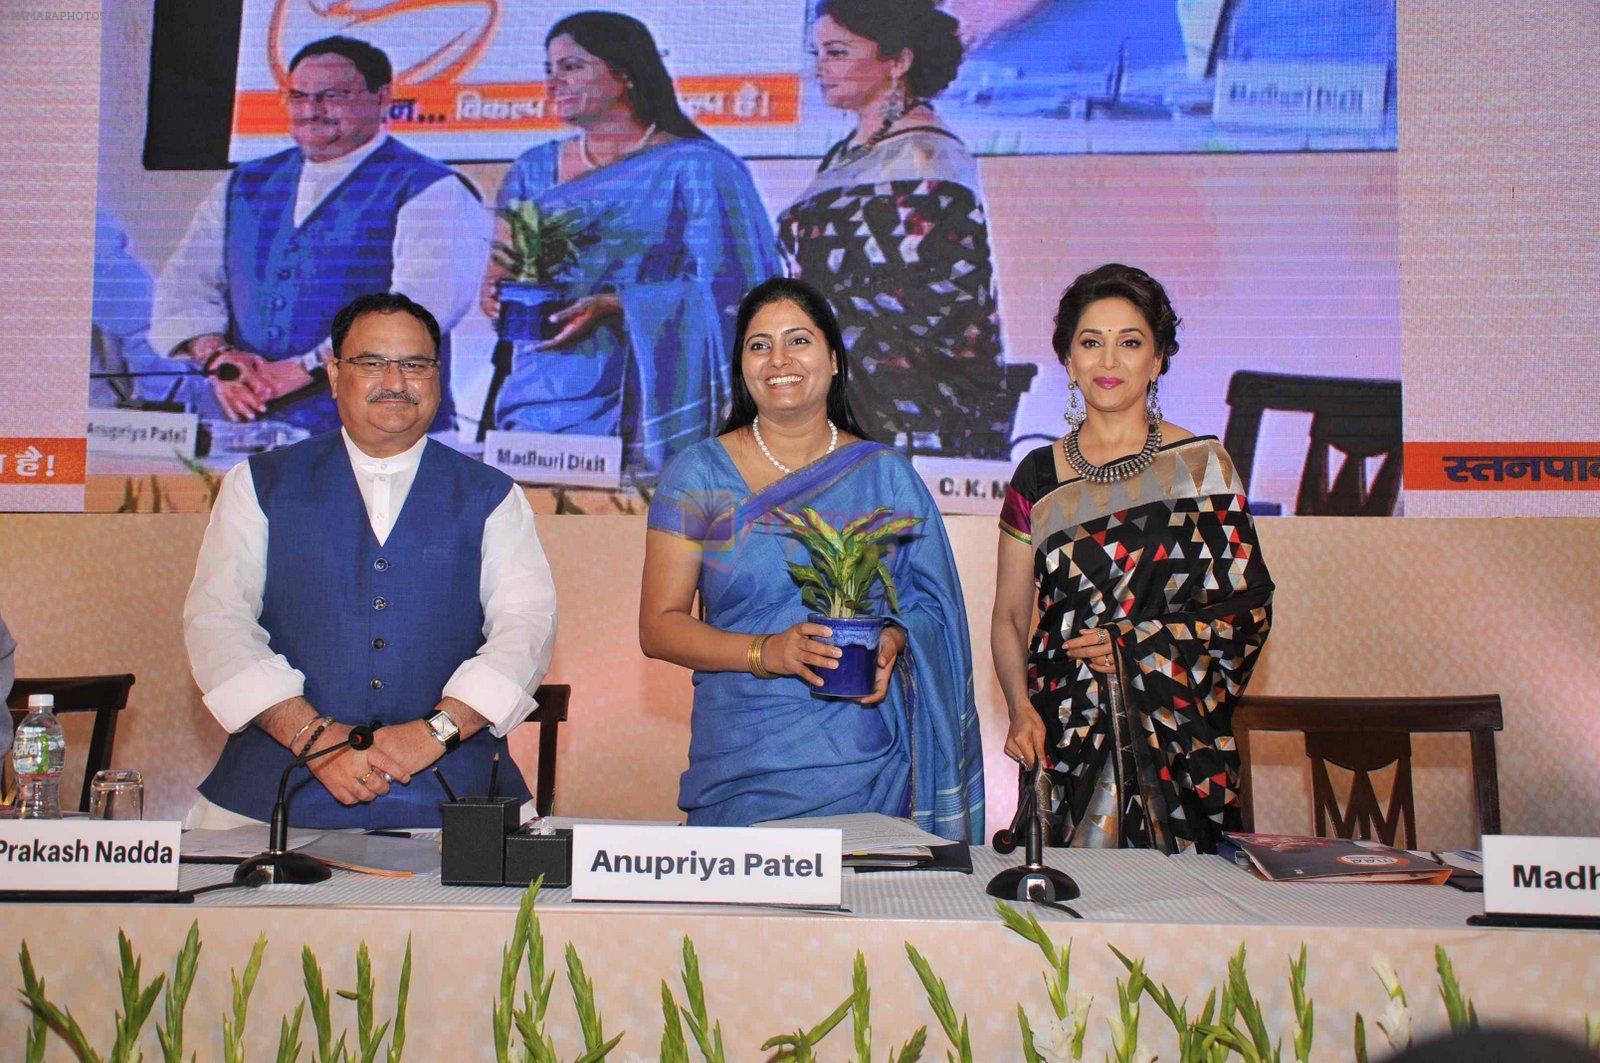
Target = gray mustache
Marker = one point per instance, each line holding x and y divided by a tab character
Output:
385	396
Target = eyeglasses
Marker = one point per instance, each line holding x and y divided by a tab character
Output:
370	365
569	66
326	98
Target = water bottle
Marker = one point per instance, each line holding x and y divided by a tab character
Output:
39	754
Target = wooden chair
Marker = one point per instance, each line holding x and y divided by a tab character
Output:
104	695
1358	418
552	699
1364	735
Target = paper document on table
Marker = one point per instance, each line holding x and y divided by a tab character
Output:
376	854
870	832
237	843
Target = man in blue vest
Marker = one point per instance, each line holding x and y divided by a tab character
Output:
367	575
286	240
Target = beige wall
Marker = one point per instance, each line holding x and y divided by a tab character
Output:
1381	607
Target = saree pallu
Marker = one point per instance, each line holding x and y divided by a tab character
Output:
1166	562
898	241
678	233
764	749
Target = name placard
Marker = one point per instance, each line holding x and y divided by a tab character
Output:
1531	875
142	433
564	460
88	854
713	865
965	485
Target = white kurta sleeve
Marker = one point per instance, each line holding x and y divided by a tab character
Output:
519	620
191	294
229	651
441	248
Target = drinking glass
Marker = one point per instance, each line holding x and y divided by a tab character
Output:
116	793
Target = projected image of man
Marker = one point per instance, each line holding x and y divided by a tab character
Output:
286	240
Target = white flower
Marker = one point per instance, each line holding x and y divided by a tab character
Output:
1396	1025
1386	974
1053	1041
1119	1035
1144	1055
1078	1005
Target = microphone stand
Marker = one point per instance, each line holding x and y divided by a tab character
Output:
1033	881
278	864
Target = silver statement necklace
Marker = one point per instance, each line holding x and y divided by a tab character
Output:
755	426
589	159
1113	471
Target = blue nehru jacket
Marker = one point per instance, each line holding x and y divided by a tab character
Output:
377	630
285	283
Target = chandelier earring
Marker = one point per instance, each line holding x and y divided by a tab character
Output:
1075	406
1152	403
897	103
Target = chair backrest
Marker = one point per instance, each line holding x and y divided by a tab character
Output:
104	695
1359	418
552	699
1364	735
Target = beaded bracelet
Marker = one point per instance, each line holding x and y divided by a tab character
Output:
322	725
752	658
308	725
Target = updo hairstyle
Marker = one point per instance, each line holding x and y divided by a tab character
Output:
1114	280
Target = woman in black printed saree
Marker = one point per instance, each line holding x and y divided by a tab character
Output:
1131	540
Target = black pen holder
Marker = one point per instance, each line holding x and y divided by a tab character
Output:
530	855
473	846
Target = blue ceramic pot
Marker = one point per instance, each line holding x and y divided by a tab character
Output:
858	638
525	310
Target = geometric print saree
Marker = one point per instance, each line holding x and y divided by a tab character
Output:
1168	562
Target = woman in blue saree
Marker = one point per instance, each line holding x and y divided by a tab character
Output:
761	745
673	233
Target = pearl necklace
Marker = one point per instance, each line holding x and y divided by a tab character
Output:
1121	468
755	426
589	160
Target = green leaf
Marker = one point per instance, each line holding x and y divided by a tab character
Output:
939	999
911	1051
233	1027
289	1036
861	1010
1029	1053
58	1019
674	1049
317	996
397	1041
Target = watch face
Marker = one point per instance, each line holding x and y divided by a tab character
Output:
444	728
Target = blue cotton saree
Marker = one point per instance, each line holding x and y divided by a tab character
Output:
764	749
679	234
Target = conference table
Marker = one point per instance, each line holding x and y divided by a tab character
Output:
771	971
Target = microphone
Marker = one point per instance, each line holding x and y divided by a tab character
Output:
225	372
1033	881
278	864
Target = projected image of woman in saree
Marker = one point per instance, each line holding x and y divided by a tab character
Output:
672	234
893	230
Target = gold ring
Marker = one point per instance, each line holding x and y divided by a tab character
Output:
1105	636
364	778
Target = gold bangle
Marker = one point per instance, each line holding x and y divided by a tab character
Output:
752	657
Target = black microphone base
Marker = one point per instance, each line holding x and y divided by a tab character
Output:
277	868
1033	882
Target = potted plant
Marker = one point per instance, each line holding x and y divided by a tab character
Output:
846	563
543	245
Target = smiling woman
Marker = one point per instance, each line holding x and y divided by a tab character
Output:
671	233
1130	541
761	746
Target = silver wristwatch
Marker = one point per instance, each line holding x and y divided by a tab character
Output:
445	730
